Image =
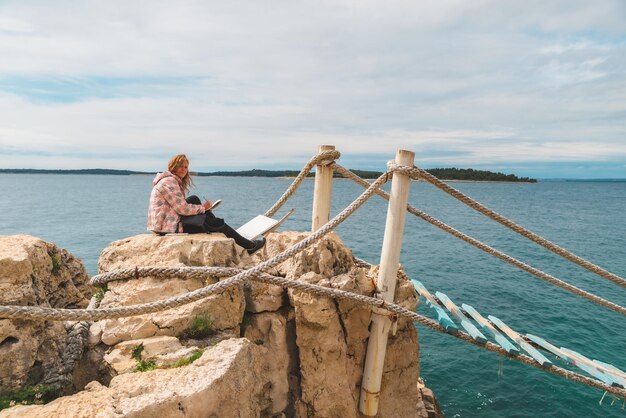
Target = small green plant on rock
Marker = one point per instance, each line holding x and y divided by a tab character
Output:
142	365
32	395
100	291
185	361
136	351
145	365
56	263
201	327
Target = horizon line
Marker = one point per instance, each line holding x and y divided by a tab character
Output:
60	170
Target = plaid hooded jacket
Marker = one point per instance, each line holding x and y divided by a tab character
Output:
167	204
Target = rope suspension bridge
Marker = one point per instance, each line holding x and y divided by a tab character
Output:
488	333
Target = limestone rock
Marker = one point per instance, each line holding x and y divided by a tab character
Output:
172	250
264	297
91	367
164	350
323	362
302	354
355	319
95	334
120	360
332	342
428	407
226	309
327	257
225	382
274	332
35	273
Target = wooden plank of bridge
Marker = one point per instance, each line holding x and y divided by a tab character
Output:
614	377
456	312
616	373
500	339
532	351
442	316
586	366
613	369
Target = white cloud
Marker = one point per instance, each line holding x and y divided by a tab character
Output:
460	82
14	25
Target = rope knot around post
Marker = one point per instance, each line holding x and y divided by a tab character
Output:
325	158
412	171
320	159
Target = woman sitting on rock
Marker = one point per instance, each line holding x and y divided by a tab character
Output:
169	211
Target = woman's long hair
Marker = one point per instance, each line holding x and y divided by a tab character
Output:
177	161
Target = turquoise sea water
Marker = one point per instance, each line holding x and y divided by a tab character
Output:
85	213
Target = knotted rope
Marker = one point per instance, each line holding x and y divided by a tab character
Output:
434	325
77	334
416	172
567	374
323	158
489	250
256	273
393	308
36	312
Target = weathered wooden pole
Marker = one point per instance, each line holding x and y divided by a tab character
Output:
322	192
385	286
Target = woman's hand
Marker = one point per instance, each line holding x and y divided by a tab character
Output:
207	205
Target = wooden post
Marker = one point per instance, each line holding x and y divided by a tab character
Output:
322	192
385	286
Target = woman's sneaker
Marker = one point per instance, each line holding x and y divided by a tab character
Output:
258	244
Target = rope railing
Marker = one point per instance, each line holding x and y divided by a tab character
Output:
434	325
416	172
37	312
394	309
323	158
489	250
239	277
72	354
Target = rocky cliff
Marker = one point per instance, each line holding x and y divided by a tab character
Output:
34	272
266	351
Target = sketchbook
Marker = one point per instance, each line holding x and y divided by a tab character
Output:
261	225
216	204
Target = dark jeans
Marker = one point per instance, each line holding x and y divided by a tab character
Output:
207	222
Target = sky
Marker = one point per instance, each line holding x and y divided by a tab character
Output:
533	88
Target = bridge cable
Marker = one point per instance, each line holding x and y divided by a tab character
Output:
323	158
418	173
57	314
256	273
395	310
490	250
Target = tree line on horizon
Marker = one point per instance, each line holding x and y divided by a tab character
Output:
468	174
477	175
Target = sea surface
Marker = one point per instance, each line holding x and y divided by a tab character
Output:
84	213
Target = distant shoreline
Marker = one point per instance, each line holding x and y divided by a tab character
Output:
277	174
448	174
107	172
